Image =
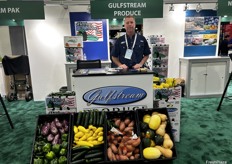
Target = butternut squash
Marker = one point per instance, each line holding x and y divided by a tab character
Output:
168	143
161	130
163	117
165	152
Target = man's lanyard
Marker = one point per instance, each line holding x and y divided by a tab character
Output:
133	43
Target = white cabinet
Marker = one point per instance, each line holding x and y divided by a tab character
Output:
205	77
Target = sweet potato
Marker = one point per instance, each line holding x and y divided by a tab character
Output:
113	148
127	121
136	142
109	153
122	126
131	124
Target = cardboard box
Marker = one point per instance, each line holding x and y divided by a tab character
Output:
168	93
176	130
60	104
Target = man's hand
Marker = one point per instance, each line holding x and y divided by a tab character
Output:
123	66
137	66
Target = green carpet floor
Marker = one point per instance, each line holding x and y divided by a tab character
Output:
205	134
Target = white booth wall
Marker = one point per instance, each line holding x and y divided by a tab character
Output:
47	54
172	27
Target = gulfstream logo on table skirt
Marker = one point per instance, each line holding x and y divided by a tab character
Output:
114	95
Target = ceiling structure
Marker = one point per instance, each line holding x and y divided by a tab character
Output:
87	2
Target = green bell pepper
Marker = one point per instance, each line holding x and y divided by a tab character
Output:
46	147
38	161
50	155
64	144
62	160
63	151
64	137
56	148
54	161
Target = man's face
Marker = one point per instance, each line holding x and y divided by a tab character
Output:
129	24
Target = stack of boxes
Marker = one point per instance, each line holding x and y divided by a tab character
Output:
170	98
61	102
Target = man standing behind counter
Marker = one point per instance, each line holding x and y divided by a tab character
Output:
131	50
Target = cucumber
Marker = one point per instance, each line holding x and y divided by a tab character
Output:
78	161
79	155
79	116
94	160
94	155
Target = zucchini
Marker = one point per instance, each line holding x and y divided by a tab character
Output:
86	123
92	151
102	118
80	148
94	160
78	161
97	118
79	155
91	118
83	118
94	155
79	116
95	113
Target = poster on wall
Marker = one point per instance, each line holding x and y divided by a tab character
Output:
90	30
201	33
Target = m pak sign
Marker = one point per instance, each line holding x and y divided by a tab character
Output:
108	9
21	10
224	7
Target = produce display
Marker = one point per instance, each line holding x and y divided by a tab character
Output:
167	82
93	136
87	138
157	139
123	140
51	139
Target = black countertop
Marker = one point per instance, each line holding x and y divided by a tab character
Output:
110	72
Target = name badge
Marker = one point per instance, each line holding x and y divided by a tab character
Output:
128	53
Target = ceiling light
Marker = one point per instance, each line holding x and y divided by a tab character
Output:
186	7
171	8
198	8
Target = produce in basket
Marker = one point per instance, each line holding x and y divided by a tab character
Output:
87	143
155	139
51	141
123	143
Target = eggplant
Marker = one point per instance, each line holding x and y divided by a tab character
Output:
66	128
50	137
54	130
62	131
45	129
65	123
56	139
57	123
